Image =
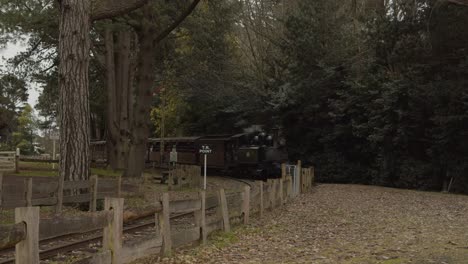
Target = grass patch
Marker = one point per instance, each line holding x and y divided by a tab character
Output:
223	239
106	172
36	173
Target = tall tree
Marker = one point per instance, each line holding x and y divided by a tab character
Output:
74	48
131	82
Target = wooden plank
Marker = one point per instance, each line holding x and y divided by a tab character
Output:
185	206
80	198
104	257
74	185
108	184
113	232
45	187
27	250
165	226
246	205
68	225
185	236
10	235
224	210
140	250
28	188
11	204
44	201
93	192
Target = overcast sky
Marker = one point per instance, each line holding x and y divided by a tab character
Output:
10	51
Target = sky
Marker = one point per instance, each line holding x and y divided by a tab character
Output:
9	51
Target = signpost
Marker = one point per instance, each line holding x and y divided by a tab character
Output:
205	150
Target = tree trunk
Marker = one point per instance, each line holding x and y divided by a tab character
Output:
145	78
119	98
74	120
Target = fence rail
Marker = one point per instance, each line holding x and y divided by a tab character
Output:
231	208
7	161
46	193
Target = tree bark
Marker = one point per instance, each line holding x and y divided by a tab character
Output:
74	49
145	78
74	120
119	97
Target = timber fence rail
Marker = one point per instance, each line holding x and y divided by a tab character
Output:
8	161
47	193
25	233
230	207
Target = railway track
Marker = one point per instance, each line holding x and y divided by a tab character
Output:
66	247
70	246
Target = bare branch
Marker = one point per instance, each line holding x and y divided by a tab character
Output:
177	22
103	9
459	2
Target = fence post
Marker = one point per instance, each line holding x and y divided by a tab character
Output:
165	225
202	218
299	178
261	199
1	189
113	232
283	171
246	204
271	188
28	191
17	156
58	207
312	176
119	186
93	192
224	210
281	191
170	178
27	251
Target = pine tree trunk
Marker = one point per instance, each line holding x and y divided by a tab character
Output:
119	98
74	120
145	78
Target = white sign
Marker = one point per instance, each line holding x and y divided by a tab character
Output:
55	135
205	149
173	155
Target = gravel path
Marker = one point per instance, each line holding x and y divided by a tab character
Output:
347	224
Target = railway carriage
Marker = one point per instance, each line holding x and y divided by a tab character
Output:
252	155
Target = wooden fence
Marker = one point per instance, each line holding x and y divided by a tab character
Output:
42	193
8	161
230	208
27	230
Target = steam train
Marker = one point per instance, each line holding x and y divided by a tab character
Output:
248	155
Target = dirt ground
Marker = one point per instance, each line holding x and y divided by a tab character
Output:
347	224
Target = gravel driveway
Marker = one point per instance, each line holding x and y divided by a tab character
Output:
347	224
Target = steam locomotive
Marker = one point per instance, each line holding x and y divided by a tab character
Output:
248	155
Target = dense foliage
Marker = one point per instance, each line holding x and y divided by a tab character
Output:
368	91
386	104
